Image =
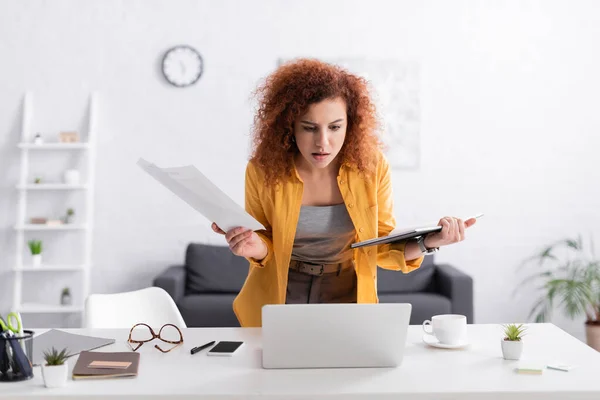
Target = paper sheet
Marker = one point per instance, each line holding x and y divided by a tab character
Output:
190	185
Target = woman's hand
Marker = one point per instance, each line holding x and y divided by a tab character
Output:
453	231
243	242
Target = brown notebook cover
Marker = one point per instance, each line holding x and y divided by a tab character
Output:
101	365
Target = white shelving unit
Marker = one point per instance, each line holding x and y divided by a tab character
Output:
20	270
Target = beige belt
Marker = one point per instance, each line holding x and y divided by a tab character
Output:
319	269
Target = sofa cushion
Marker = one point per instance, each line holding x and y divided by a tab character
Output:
424	305
419	280
214	269
208	310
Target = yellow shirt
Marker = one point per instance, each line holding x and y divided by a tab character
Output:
370	205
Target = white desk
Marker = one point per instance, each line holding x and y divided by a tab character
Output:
478	372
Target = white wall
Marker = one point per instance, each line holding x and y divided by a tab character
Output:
508	109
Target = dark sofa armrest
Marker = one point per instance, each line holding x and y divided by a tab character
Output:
458	287
173	281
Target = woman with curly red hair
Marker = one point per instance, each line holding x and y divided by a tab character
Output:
318	181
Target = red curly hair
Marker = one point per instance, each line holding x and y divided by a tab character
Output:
286	94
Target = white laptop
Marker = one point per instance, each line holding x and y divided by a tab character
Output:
334	335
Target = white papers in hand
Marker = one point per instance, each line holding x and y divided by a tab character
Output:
190	185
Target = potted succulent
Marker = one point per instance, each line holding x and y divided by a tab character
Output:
37	180
69	216
65	297
35	246
568	276
56	368
512	345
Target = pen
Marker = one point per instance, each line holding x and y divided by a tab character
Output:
197	349
477	216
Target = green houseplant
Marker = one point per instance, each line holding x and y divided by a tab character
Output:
35	246
65	297
69	216
512	345
567	276
56	369
514	332
54	357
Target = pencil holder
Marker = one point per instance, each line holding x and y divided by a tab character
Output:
15	356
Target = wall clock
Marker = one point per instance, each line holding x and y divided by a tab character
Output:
182	66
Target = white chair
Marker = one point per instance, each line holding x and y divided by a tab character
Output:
152	306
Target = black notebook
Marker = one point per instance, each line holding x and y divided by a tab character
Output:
399	236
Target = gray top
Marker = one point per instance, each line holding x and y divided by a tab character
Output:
324	235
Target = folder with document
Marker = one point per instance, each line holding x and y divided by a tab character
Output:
190	185
402	235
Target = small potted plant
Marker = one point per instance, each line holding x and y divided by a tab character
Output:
68	218
35	246
512	345
38	139
37	180
65	298
56	368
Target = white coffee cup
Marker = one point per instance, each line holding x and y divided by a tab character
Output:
447	328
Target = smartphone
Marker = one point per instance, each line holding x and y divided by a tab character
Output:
225	348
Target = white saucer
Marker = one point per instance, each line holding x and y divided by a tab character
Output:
433	341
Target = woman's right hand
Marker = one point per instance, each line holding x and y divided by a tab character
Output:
243	242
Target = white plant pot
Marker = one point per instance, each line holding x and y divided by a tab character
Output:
511	349
55	376
36	260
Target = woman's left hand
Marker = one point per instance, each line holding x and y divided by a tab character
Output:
453	231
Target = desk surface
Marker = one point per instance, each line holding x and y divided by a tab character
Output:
477	372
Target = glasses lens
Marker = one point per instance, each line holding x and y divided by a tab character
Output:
141	333
170	333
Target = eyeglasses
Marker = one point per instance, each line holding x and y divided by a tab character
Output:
168	333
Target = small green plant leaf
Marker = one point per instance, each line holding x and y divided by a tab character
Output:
54	357
35	246
541	310
514	332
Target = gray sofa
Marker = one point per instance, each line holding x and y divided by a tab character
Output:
206	284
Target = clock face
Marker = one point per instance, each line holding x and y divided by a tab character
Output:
182	66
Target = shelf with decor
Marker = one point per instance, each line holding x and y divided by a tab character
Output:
50	268
54	146
45	227
40	308
24	269
51	186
